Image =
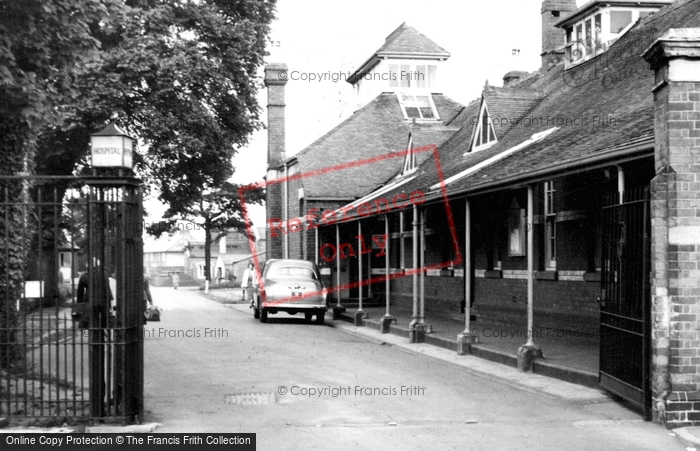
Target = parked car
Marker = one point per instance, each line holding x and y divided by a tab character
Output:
292	286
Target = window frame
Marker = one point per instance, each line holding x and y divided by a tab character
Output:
410	163
403	98
478	131
516	223
550	226
398	67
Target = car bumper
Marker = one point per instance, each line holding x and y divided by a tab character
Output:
294	306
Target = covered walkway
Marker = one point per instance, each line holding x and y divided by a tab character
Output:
567	356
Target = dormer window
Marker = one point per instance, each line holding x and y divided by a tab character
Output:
484	135
417	106
410	164
593	28
619	20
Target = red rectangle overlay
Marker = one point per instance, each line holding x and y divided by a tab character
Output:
376	203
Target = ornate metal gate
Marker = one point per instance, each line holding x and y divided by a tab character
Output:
625	298
71	293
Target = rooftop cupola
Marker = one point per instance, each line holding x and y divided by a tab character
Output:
407	63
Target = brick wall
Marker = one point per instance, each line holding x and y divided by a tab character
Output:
675	208
552	37
273	209
295	210
275	152
443	295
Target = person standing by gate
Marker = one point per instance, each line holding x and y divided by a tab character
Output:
247	283
176	280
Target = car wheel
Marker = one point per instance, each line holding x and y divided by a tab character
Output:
263	316
308	316
256	313
320	317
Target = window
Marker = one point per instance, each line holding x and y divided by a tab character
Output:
417	107
200	271
419	76
516	232
410	164
619	20
293	271
494	258
598	30
550	241
393	75
484	135
589	32
405	76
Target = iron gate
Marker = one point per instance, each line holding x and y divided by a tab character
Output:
71	287
625	297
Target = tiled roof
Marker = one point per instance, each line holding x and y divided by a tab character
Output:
374	130
404	42
407	40
598	113
508	105
602	110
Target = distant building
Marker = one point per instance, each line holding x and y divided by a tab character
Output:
183	253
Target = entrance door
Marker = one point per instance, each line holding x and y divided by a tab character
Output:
626	298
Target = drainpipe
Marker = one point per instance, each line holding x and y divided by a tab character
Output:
465	339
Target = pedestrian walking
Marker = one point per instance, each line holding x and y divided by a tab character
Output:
176	280
247	283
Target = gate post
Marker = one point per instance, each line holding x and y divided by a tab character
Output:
115	290
675	303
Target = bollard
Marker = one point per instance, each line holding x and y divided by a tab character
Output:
527	354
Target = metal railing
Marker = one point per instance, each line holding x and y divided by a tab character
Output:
71	292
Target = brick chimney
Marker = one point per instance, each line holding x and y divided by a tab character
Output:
514	77
275	79
553	38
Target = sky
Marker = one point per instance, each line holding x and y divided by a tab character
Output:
317	36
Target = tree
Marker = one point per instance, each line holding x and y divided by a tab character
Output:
178	74
182	76
41	46
217	212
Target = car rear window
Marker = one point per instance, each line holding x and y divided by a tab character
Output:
293	271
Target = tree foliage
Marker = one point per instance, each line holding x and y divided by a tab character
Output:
181	75
216	213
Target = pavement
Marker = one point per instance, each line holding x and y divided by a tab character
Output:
479	367
690	436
